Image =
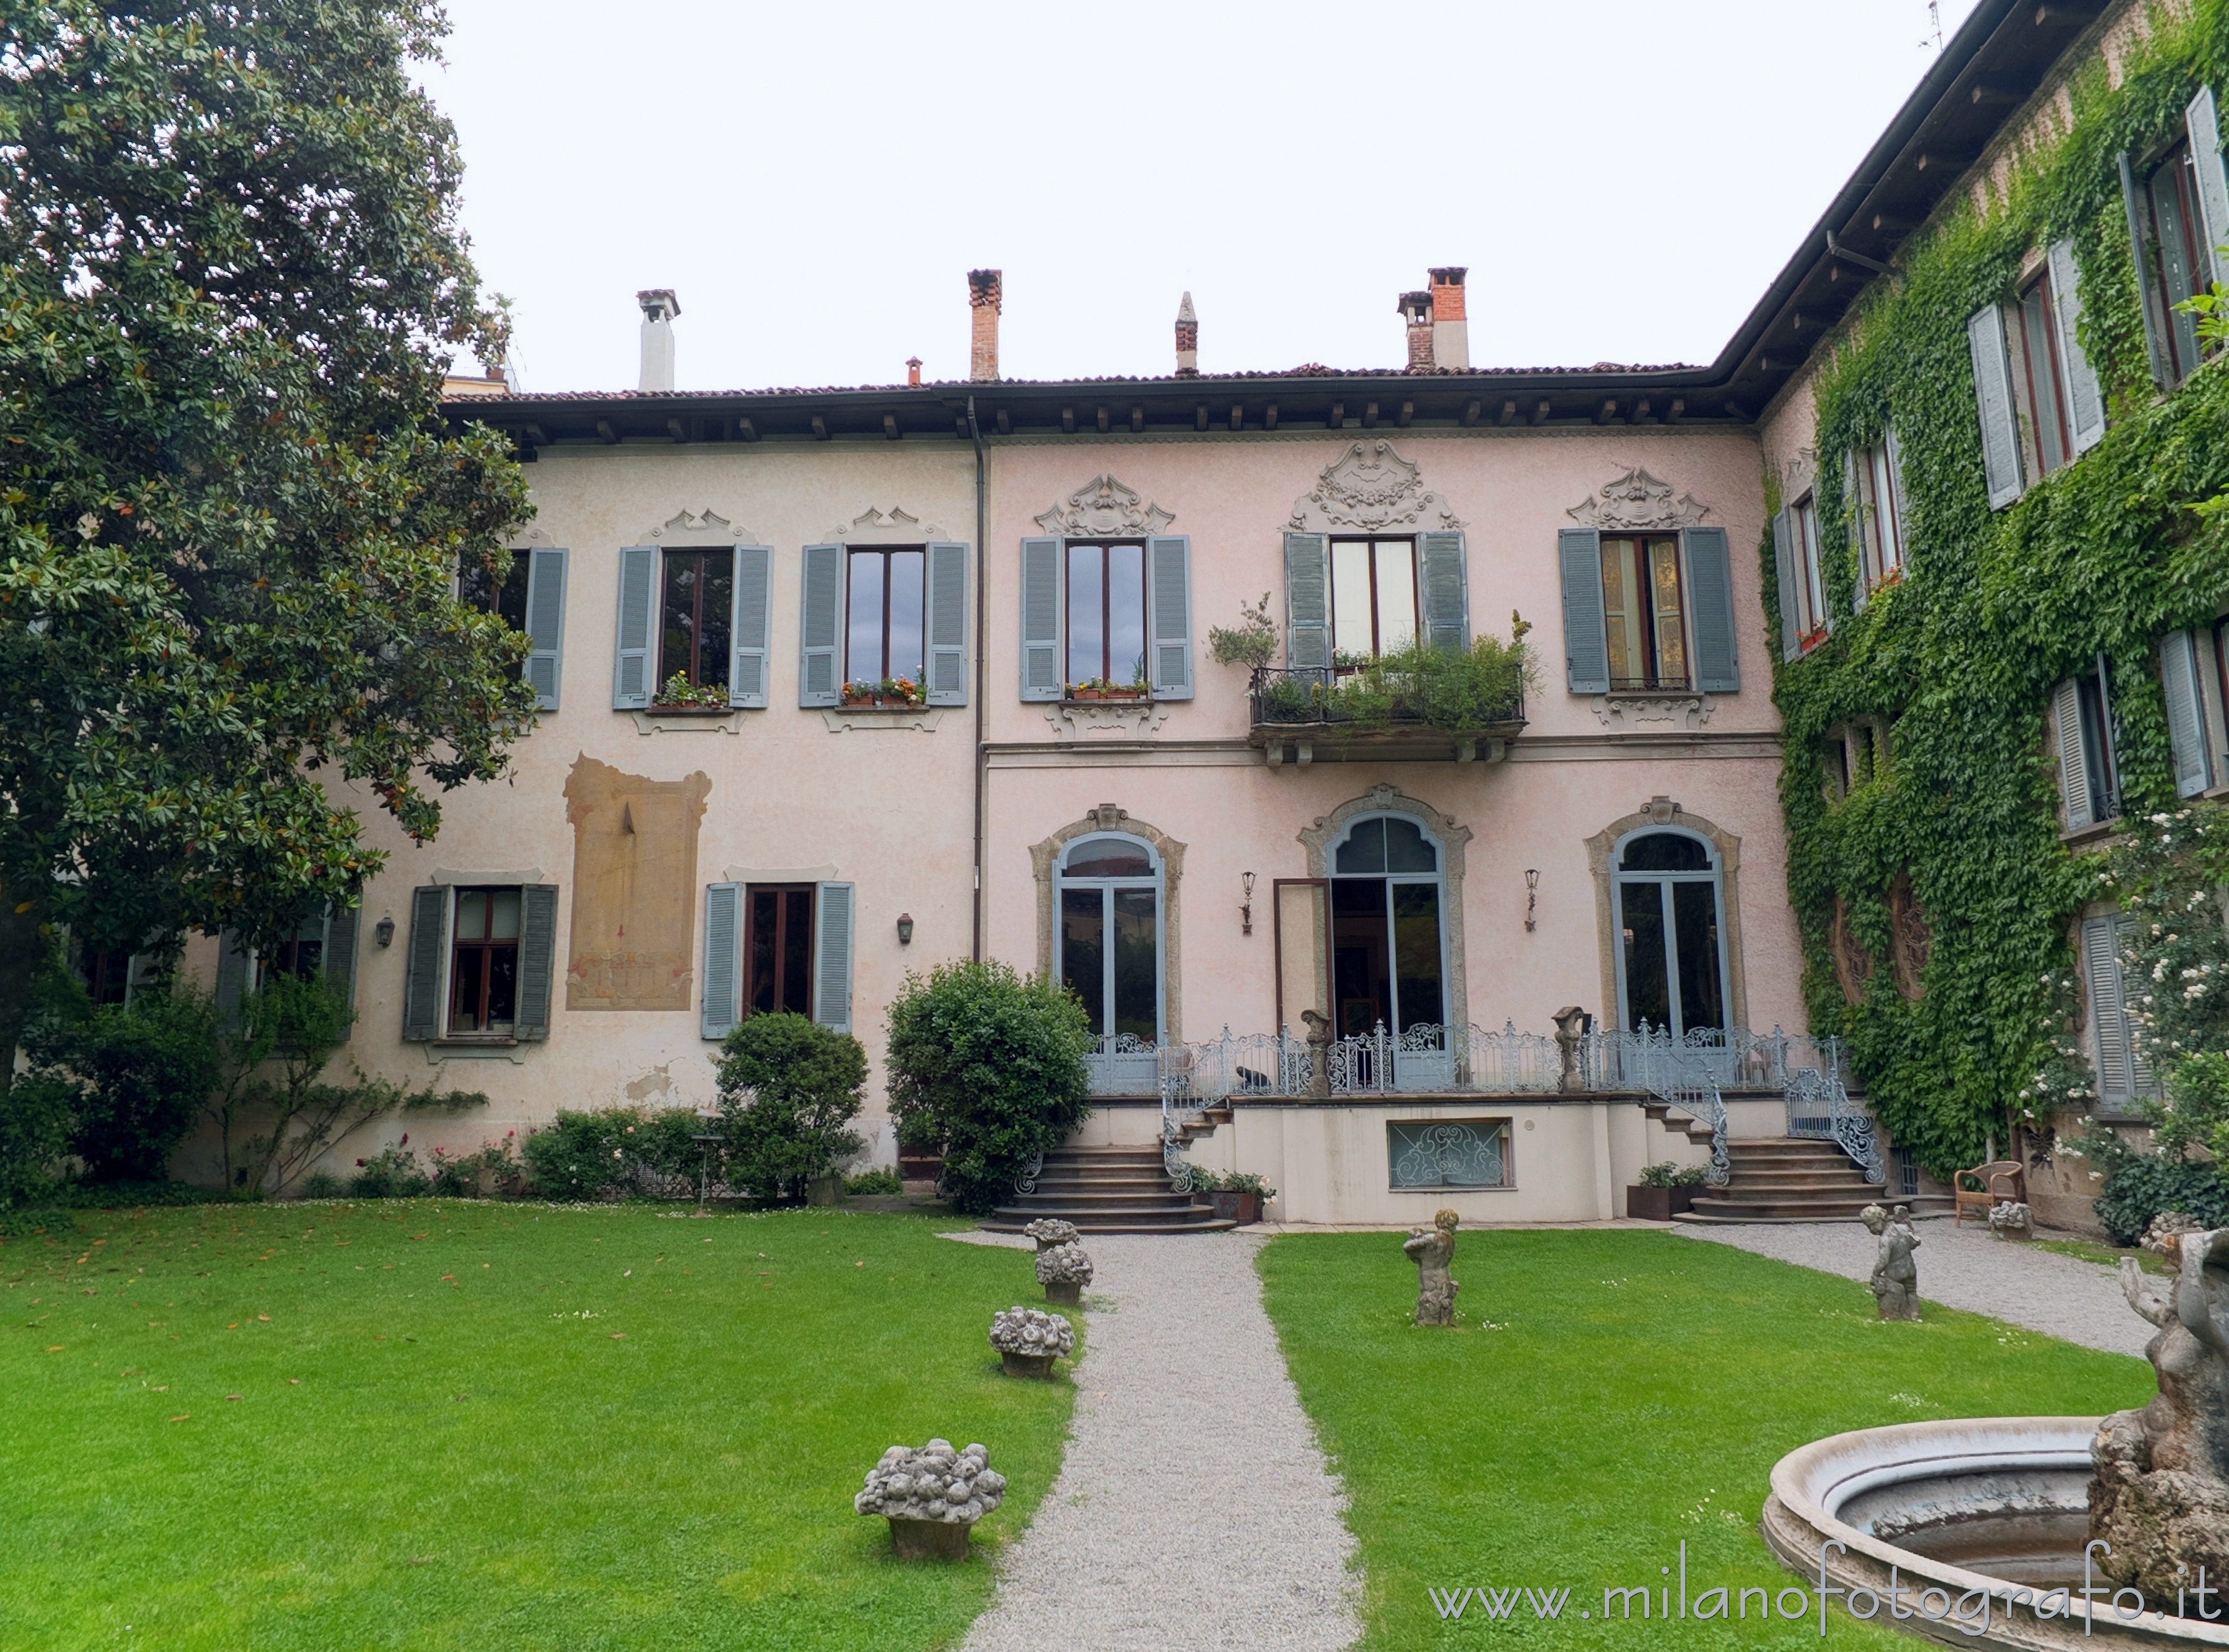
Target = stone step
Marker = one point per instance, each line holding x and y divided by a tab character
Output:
1921	1207
1013	1222
1149	1199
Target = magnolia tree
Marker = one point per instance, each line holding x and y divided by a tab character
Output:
231	277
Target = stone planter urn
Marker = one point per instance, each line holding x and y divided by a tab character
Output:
1064	1267
1029	1339
932	1497
2012	1220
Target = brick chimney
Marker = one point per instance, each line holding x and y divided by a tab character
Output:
913	370
1450	331
985	296
660	306
1416	310
1187	340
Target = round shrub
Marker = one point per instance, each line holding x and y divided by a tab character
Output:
788	1087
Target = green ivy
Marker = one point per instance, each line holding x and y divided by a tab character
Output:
1960	658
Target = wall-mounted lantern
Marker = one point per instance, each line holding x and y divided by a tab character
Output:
905	929
1246	910
1532	897
383	931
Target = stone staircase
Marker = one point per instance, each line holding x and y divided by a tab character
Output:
1797	1179
1107	1190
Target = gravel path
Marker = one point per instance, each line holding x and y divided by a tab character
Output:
2079	1301
1193	1508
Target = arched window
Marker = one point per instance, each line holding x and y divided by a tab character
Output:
1669	896
1389	948
1107	942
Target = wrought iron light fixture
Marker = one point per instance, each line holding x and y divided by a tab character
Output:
1246	910
905	929
1531	898
383	931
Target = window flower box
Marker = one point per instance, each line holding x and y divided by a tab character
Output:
679	696
891	694
1105	690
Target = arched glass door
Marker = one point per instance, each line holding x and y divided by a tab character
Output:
1671	915
1388	953
1108	940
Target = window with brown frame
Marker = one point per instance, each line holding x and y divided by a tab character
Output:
1373	596
484	962
698	610
778	948
2172	260
2039	386
885	615
1643	610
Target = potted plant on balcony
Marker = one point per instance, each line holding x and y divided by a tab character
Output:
1666	1190
1252	643
1237	1197
677	693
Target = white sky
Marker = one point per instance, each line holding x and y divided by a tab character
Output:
1622	179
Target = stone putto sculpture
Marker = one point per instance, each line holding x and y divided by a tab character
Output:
2160	1491
1320	1041
1433	1251
1029	1339
932	1497
1896	1277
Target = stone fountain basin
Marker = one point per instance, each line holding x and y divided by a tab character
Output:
1995	1503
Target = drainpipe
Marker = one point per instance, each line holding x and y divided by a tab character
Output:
982	581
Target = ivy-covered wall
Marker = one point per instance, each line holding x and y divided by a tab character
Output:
1958	660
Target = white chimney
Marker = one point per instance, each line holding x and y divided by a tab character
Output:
660	306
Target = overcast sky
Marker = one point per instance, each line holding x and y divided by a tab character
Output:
1623	179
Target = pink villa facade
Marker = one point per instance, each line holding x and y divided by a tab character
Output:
1206	864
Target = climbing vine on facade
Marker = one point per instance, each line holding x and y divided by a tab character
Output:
1956	661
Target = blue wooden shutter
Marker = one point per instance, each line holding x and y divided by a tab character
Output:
1786	573
1040	670
1865	534
1443	581
1893	507
1993	395
2205	125
947	624
1711	594
1307	601
537	961
1586	626
2186	713
832	957
545	623
724	958
1170	558
235	963
2140	242
423	964
2108	1020
341	925
631	686
2086	402
819	680
2073	756
747	674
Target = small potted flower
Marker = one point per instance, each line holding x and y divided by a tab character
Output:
679	694
1666	1190
1237	1197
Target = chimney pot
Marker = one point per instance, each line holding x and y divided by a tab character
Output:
1416	310
913	370
1450	326
1187	340
660	306
985	297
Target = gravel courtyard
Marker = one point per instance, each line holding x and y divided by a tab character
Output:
1963	1267
1187	1430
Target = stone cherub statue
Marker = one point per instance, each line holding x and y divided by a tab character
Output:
1433	1251
1896	1278
1320	1041
2160	1492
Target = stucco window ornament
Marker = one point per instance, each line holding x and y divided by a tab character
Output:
1369	488
893	527
707	527
1084	719
1638	503
1686	712
1103	509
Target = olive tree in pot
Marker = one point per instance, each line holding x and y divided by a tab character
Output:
1665	1191
788	1088
987	1064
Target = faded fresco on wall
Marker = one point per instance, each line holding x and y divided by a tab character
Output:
634	887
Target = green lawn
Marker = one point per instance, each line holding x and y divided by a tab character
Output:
1605	1397
436	1425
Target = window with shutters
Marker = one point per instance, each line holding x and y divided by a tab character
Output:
2089	761
1879	506
1644	615
2039	387
477	586
697	596
484	962
2172	258
2196	687
1106	613
885	634
2124	1076
778	948
1374	597
1810	593
106	971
